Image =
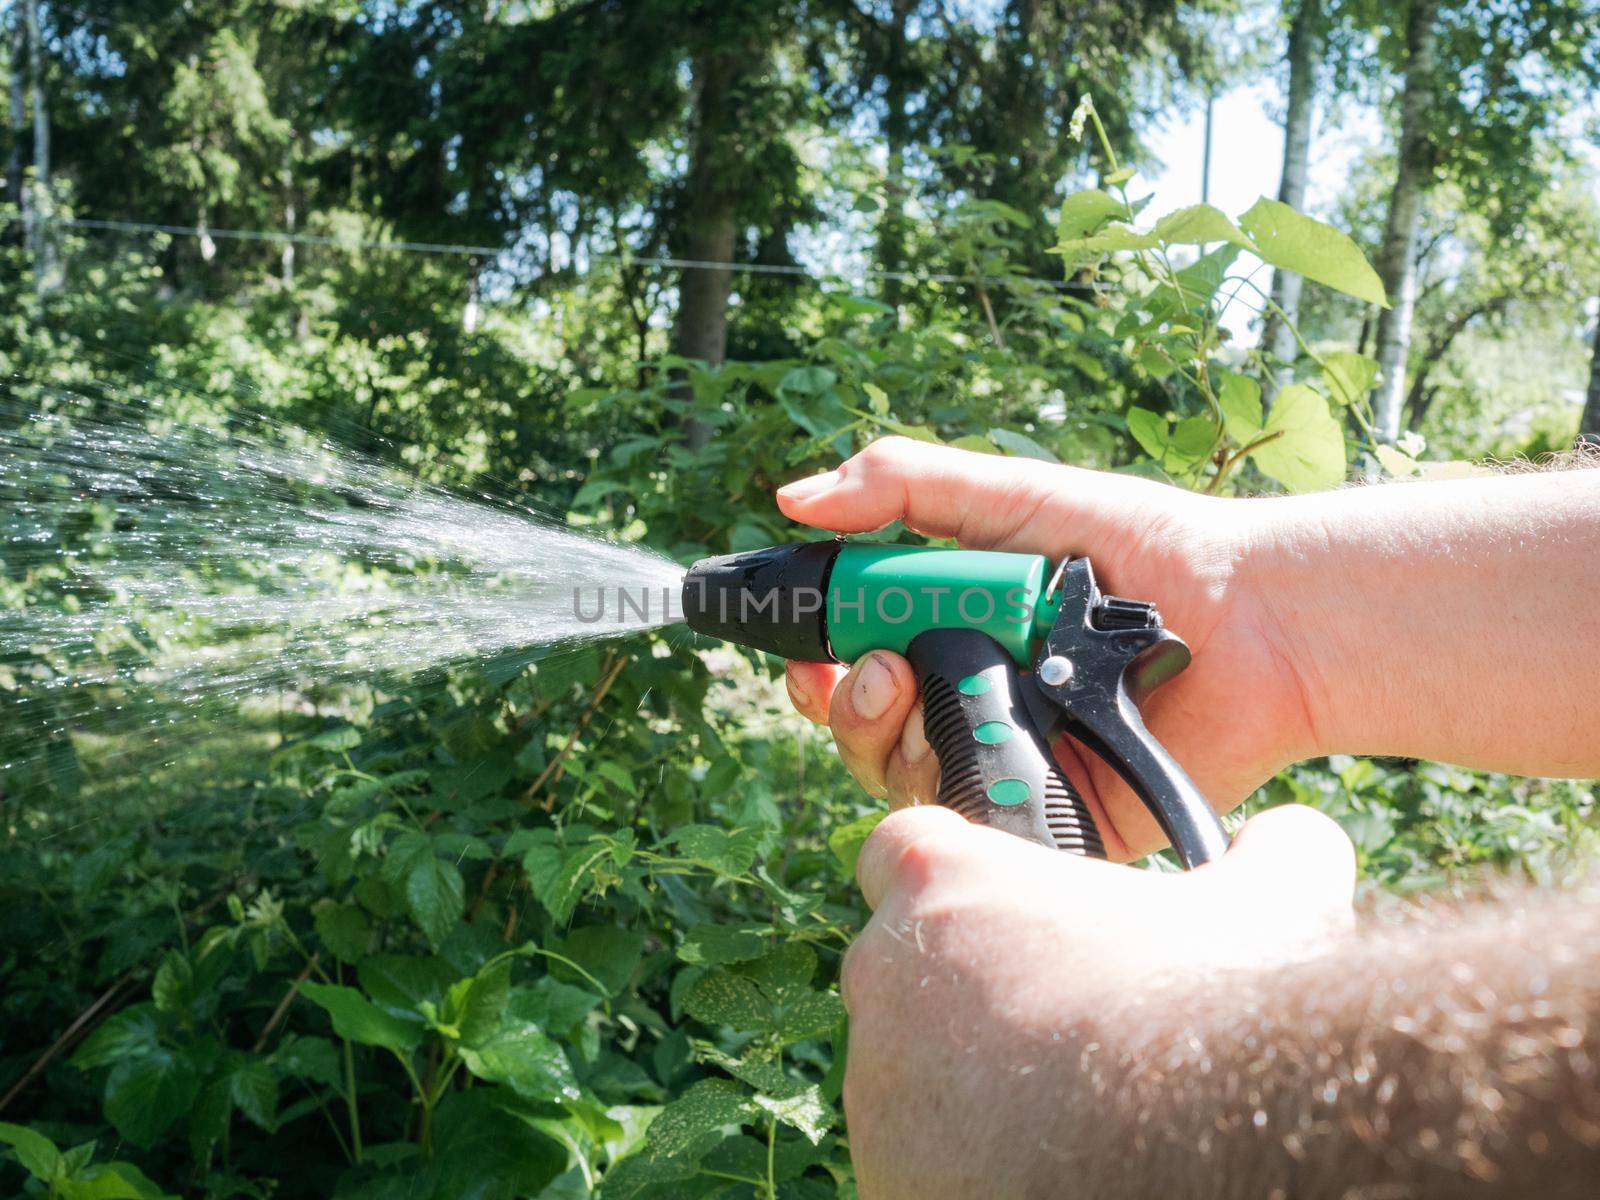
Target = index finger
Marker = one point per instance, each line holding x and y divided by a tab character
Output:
981	500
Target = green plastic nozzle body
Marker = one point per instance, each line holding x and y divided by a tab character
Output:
835	601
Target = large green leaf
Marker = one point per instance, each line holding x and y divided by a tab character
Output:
1295	242
711	945
804	1109
846	841
126	1034
1085	211
1349	375
1309	452
1197	225
147	1094
360	1020
436	896
37	1153
706	1108
1239	397
723	998
486	1151
522	1057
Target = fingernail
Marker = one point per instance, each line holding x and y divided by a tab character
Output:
914	739
798	696
874	689
805	489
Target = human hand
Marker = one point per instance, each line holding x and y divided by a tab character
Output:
989	995
1233	719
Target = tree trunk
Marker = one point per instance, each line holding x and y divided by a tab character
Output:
42	241
19	110
896	136
1205	153
711	215
1418	398
1305	56
1589	422
1397	261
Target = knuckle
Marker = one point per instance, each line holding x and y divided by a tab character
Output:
884	452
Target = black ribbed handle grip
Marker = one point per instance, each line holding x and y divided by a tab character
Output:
995	765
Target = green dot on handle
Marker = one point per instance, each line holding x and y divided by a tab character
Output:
1008	791
974	685
992	733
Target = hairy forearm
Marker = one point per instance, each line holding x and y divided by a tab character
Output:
1455	1057
1457	621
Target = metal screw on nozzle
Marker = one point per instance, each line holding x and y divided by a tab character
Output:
1055	670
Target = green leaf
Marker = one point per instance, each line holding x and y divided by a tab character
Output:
476	1007
1396	462
1085	211
805	1110
1349	376
486	1151
436	896
1240	400
344	930
1298	243
606	952
405	981
726	852
37	1153
1192	439
209	1117
1149	430
145	1095
1116	238
846	841
877	399
1157	363
310	1058
723	998
1020	445
560	891
253	1088
552	1005
1309	454
173	985
1200	280
126	1034
521	1056
112	1181
712	945
1197	225
357	1018
974	443
709	1106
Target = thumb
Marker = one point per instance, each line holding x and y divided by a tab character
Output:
982	500
1291	867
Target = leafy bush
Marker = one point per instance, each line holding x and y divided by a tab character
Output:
570	920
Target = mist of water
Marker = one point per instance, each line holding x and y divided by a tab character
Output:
191	562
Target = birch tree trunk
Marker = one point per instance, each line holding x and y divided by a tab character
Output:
1305	56
19	109
1589	422
1397	260
42	239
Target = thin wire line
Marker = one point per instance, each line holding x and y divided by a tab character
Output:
312	239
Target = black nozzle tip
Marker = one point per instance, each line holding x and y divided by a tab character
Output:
771	599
